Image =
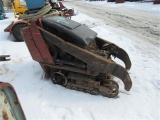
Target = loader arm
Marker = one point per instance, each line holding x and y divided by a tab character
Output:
120	53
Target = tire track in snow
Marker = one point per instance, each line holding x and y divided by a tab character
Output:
141	24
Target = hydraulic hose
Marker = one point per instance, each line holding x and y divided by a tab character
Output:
45	11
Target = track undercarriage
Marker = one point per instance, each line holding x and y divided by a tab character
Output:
86	83
98	84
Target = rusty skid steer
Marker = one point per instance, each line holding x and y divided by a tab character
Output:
74	57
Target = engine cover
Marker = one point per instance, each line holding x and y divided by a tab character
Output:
69	30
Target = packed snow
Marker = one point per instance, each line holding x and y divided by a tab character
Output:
43	100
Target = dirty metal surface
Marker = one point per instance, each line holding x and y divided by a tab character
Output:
36	45
10	108
5	108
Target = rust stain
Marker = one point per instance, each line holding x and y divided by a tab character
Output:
5	101
5	115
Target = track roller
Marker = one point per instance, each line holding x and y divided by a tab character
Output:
112	89
106	82
87	91
74	88
59	78
94	92
79	89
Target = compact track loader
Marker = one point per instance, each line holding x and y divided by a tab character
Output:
74	57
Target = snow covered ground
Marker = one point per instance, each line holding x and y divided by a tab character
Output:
42	100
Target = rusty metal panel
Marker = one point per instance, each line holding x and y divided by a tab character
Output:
5	108
156	2
9	27
40	44
31	45
10	108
